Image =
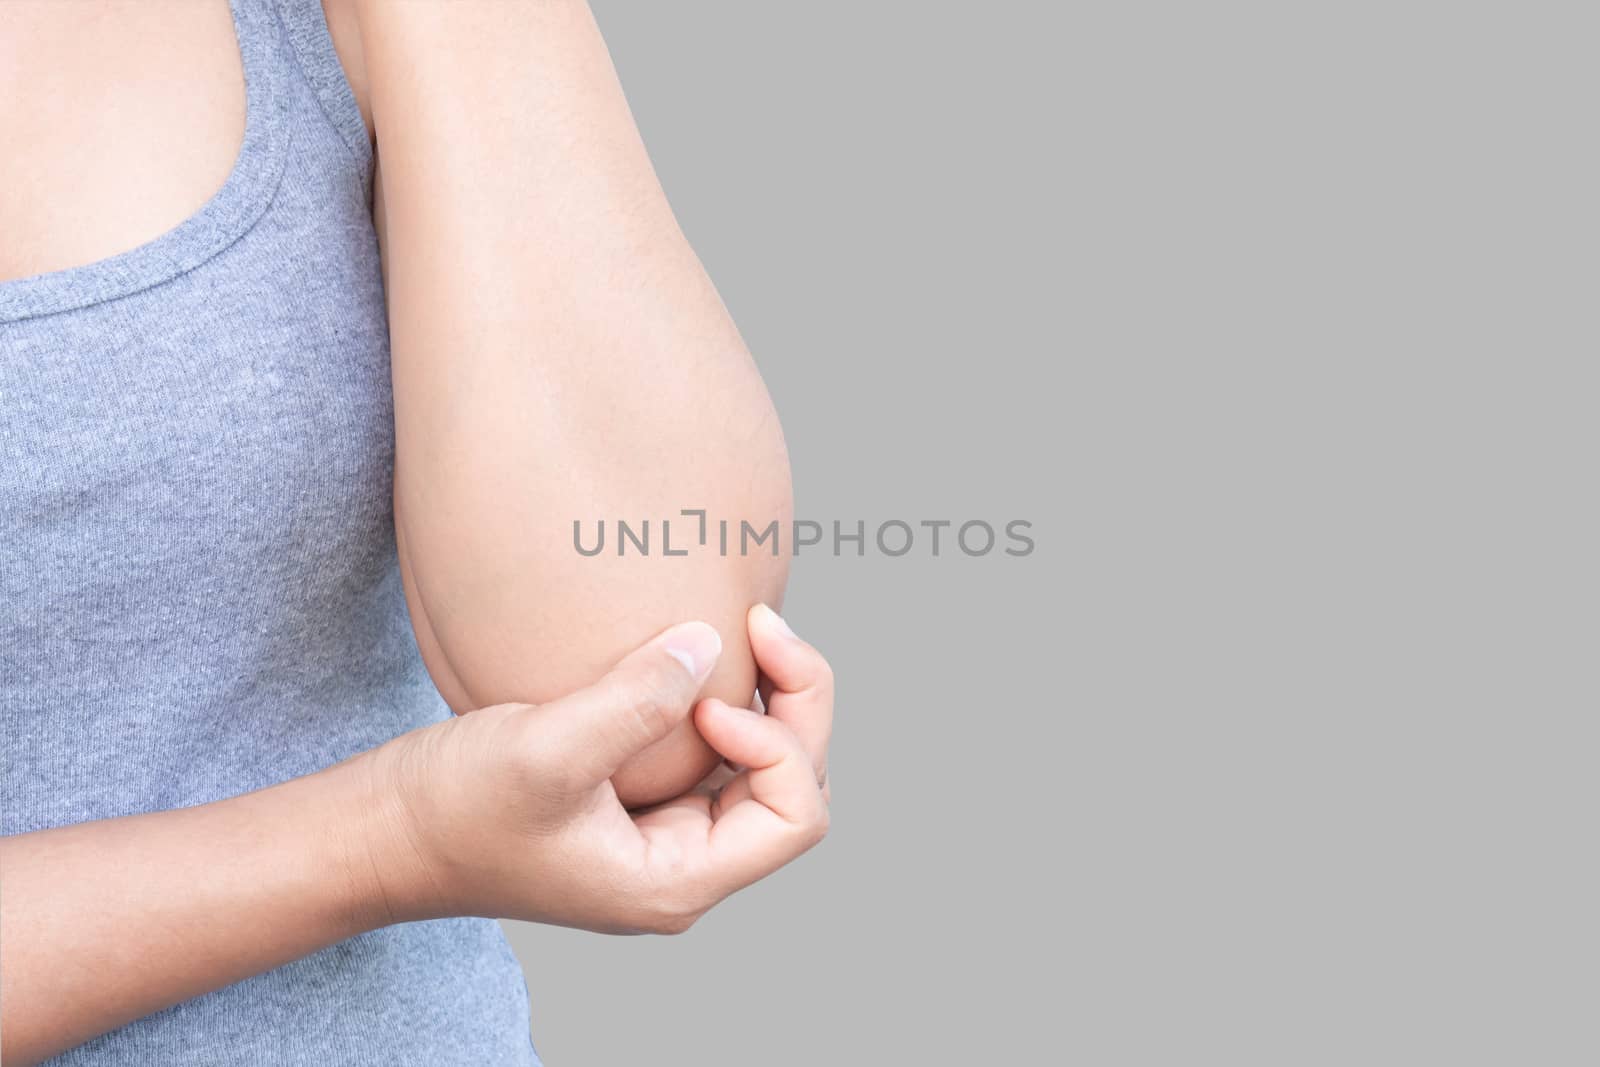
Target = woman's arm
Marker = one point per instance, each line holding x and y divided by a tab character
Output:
104	922
506	812
559	356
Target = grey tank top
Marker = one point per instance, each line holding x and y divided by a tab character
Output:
199	590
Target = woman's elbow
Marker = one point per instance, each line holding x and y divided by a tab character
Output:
531	610
743	560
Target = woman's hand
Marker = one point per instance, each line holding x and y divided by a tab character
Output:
510	812
507	812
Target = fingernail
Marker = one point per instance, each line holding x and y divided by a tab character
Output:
778	621
696	645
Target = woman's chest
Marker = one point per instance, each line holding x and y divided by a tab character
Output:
120	120
210	410
229	432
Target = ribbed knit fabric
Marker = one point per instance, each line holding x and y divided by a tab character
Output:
199	591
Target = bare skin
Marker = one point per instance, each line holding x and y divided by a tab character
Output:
599	377
120	119
558	355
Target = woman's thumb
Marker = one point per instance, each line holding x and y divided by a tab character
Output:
639	701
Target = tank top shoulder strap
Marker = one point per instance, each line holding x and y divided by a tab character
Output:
306	27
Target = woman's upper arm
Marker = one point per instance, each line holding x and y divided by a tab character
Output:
559	355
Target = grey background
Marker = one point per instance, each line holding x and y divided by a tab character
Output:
1278	322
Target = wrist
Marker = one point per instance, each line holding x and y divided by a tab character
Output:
376	843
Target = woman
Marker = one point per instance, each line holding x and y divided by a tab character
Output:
321	325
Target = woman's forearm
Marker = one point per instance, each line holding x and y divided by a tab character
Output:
559	357
108	921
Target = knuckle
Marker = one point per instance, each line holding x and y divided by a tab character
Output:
666	901
535	763
818	827
551	777
825	678
672	925
651	709
671	915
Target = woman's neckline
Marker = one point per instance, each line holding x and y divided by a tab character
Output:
229	214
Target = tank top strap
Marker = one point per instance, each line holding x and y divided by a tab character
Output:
307	29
